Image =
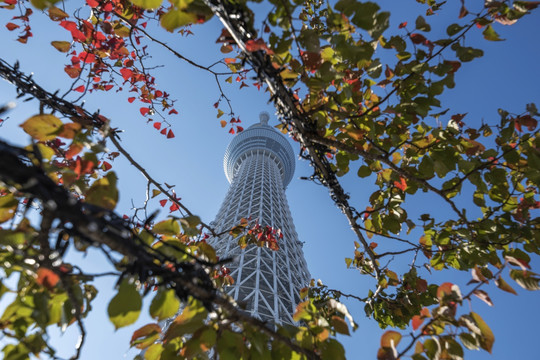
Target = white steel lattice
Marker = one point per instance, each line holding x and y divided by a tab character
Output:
259	164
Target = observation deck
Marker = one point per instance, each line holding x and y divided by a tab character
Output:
260	138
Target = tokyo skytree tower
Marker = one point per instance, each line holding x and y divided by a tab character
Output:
259	164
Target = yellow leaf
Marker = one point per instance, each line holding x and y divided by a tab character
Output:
42	127
147	4
62	46
103	192
8	205
175	19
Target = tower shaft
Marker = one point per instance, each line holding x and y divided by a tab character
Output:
266	281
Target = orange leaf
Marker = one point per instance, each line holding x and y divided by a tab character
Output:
390	339
11	26
402	184
416	322
73	150
47	277
444	289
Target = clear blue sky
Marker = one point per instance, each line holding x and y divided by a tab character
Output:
508	77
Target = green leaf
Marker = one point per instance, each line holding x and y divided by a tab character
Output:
490	34
153	352
526	279
176	18
188	321
125	307
469	341
331	349
487	339
364	171
503	285
43	4
103	192
340	325
147	4
145	336
8	205
164	305
42	127
421	24
167	227
453	29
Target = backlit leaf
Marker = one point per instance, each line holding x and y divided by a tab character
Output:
487	339
103	192
164	305
62	46
490	34
125	307
145	336
147	4
176	18
503	285
42	127
8	205
167	227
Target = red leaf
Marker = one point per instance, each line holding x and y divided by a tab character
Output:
163	202
416	322
230	60
174	207
72	71
157	125
170	134
108	7
256	45
11	26
126	73
108	87
402	184
239	129
402	25
526	120
144	111
47	277
79	89
455	65
131	99
479	25
92	3
231	131
417	38
106	166
163	131
87	57
173	111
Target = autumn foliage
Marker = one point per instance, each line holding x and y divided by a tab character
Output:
353	112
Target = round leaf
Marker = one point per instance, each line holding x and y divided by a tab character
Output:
125	307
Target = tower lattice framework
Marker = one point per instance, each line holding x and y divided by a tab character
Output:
259	164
